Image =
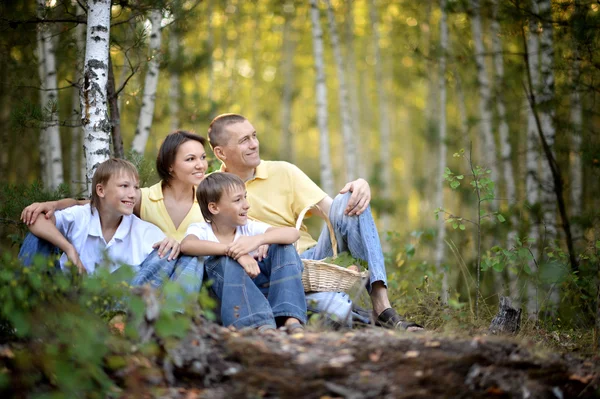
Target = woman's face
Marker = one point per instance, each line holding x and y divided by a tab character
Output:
190	163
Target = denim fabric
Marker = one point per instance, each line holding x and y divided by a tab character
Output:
276	292
186	270
357	235
32	246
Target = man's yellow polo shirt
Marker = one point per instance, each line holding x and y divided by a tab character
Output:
277	194
153	210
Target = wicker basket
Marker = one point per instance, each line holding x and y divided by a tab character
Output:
321	276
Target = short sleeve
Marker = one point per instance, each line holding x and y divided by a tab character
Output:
254	228
200	230
305	191
66	219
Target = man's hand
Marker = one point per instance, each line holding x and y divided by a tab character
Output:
166	245
250	265
243	245
30	213
74	258
360	198
261	252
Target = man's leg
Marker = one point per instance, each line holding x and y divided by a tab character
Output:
242	303
282	270
32	246
359	236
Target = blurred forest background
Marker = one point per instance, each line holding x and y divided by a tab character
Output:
387	90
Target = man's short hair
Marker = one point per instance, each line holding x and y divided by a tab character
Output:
107	169
216	129
168	152
211	189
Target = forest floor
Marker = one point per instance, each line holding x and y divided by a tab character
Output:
214	362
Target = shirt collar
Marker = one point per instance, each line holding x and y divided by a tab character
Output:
155	193
121	233
260	172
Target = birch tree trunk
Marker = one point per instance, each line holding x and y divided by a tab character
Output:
49	101
485	123
347	126
440	244
174	90
384	127
115	114
210	49
94	107
286	148
150	84
575	155
532	184
77	159
321	99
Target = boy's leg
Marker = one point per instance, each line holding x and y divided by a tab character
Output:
283	268
242	303
188	271
32	246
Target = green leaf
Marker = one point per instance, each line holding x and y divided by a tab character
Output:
501	218
454	184
462	226
460	177
597	244
454	225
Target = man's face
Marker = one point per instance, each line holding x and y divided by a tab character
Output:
241	150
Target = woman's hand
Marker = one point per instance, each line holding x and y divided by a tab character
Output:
261	252
166	245
243	246
250	265
30	213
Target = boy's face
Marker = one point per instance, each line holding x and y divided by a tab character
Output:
233	206
119	194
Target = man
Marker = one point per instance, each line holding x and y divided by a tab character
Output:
278	191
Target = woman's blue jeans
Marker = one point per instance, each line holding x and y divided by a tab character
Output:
188	271
357	235
276	292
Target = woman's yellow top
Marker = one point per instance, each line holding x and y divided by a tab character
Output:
153	210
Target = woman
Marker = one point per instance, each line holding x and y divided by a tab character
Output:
170	204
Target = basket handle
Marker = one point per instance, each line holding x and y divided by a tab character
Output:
329	227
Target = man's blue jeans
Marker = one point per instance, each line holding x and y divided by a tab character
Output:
276	292
357	235
186	270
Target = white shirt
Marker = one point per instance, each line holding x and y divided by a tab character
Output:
131	243
205	232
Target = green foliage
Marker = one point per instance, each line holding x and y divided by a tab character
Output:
146	168
344	259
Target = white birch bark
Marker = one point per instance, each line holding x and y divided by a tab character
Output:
174	92
488	154
142	132
43	147
384	127
286	148
440	244
77	159
49	102
346	119
532	185
546	111
94	102
321	99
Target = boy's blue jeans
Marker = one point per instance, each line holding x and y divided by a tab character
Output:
186	270
276	292
357	235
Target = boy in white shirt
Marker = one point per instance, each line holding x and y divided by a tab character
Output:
106	227
239	280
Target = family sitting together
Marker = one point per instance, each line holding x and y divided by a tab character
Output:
236	224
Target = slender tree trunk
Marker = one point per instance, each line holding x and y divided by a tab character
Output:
545	96
210	49
384	127
174	89
77	160
485	113
115	115
347	126
43	141
144	125
51	130
440	245
359	138
321	99
93	96
286	148
532	185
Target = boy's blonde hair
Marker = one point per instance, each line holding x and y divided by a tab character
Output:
108	169
211	189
